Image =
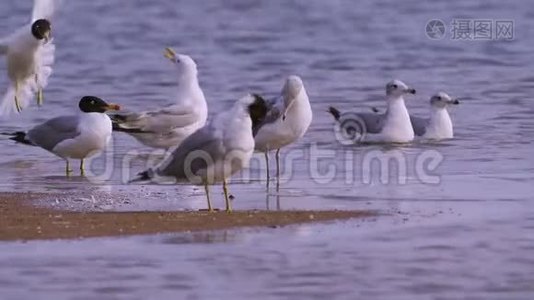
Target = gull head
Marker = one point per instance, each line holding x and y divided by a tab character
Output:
92	104
397	88
185	64
292	88
291	91
255	106
442	100
41	29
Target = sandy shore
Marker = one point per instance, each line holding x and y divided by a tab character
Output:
21	220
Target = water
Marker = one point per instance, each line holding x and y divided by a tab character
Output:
467	236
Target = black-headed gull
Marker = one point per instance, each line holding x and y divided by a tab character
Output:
30	55
75	136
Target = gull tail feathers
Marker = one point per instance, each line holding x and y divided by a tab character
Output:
334	112
127	123
143	176
19	137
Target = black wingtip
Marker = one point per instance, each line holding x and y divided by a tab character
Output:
117	127
143	176
116	118
332	110
19	137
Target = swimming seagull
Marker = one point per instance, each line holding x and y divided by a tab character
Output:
169	126
288	119
30	55
392	127
76	136
216	151
439	125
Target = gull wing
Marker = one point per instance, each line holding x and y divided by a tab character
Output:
54	131
44	9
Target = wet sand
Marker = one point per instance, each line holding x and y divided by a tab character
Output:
21	220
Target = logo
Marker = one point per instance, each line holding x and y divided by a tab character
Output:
435	29
350	129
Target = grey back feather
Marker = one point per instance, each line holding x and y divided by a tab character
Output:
419	125
205	142
373	122
54	131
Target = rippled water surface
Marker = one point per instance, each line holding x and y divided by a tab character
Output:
470	235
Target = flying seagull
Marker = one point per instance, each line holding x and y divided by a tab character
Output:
30	55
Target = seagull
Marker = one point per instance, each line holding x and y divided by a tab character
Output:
439	125
30	55
392	127
287	120
169	126
76	136
216	151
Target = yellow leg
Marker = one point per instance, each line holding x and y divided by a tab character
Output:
39	92
228	205
17	104
67	168
82	170
40	97
206	188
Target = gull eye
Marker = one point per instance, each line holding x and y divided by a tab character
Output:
394	86
439	98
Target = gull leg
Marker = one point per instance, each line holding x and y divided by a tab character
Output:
82	167
206	188
278	170
17	104
68	170
267	164
278	165
39	92
225	190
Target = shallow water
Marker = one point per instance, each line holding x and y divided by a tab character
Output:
466	235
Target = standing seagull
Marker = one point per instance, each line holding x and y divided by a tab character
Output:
77	136
216	151
288	119
439	125
392	127
30	55
169	126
